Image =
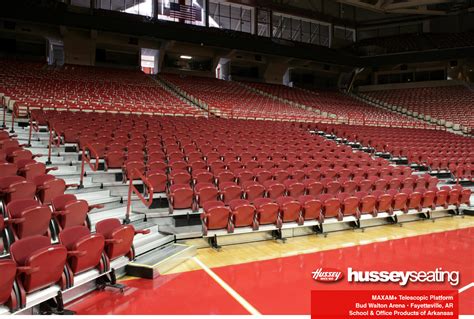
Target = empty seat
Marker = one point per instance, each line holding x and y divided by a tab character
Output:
8	296
30	169
216	216
179	177
202	176
399	200
158	180
331	206
16	187
118	238
230	191
349	205
48	187
28	218
205	192
225	176
310	208
180	197
367	203
84	250
290	209
8	169
294	188
72	213
332	187
414	199
428	198
313	187
40	264
243	214
267	212
253	190
114	159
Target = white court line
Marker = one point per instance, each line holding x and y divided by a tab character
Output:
466	287
228	288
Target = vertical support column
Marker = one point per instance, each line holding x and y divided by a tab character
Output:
331	34
206	13
254	29
154	9
271	23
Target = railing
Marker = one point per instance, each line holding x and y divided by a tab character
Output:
34	126
85	158
15	112
132	189
51	141
4	106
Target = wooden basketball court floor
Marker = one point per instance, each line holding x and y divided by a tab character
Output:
272	277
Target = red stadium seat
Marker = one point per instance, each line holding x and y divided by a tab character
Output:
39	264
290	209
28	218
84	249
267	212
8	296
243	214
216	216
180	197
205	192
118	238
311	208
230	191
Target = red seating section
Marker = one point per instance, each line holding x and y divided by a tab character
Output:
437	102
215	164
334	102
35	85
231	100
436	149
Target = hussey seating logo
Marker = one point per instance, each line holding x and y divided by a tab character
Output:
327	275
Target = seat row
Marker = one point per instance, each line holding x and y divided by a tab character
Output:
184	196
253	213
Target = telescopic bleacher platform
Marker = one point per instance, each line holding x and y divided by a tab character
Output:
132	189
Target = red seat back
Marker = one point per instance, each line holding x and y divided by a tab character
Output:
44	261
85	249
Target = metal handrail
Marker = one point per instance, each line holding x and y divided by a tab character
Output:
85	158
33	126
4	106
132	189
16	112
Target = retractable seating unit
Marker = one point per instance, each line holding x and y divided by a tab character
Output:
438	150
206	165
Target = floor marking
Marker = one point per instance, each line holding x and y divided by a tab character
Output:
228	288
466	287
